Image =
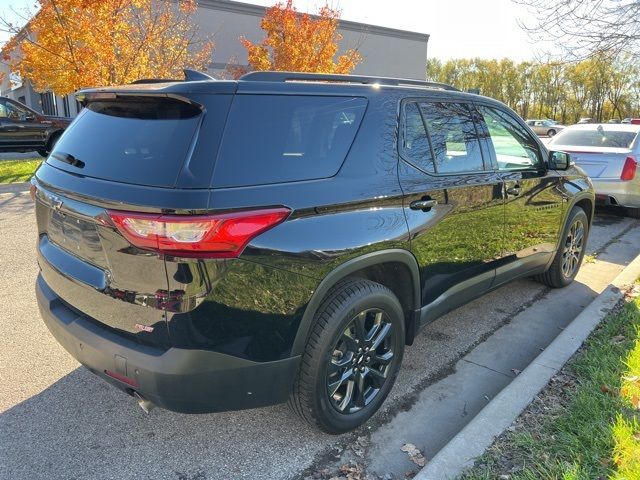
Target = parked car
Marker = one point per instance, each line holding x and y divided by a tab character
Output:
24	130
614	120
633	121
289	243
545	127
585	120
609	155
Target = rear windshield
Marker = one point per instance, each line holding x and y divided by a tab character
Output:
279	138
595	138
139	140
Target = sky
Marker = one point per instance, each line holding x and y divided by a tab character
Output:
458	28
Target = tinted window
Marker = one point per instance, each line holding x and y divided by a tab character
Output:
416	146
514	148
142	141
595	138
453	137
278	138
12	111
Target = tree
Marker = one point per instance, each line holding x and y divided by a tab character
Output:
600	87
583	27
69	44
299	42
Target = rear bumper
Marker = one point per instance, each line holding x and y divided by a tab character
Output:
182	380
617	192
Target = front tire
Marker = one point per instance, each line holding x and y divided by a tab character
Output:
551	133
568	259
352	357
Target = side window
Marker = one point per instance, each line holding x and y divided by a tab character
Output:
441	138
514	147
12	112
416	146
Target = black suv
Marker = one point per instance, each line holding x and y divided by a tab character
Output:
24	130
216	245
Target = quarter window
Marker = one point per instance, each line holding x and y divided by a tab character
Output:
441	138
514	147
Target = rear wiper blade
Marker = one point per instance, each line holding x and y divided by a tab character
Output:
68	158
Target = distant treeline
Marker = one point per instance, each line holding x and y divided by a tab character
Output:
600	87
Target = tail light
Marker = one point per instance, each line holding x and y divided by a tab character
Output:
629	169
210	236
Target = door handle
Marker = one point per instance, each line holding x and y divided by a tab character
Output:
425	204
515	190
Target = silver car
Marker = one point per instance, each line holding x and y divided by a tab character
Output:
609	154
545	127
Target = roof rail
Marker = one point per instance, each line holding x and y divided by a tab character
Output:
330	77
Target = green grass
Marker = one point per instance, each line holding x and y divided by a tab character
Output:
18	170
590	430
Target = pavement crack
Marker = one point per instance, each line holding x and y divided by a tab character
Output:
488	368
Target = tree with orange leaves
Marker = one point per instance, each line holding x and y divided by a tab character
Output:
299	42
70	44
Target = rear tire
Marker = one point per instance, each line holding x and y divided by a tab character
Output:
568	258
551	133
352	357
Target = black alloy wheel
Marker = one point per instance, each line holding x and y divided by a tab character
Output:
352	356
361	361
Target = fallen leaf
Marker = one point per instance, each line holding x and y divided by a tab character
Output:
617	339
414	454
516	371
636	435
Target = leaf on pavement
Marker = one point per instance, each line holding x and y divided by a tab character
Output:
414	454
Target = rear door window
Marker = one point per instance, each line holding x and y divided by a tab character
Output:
440	137
281	138
143	141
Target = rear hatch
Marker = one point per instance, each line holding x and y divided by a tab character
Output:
125	151
601	154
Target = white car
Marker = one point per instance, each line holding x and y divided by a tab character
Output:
609	154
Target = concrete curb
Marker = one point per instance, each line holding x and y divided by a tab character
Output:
14	187
471	442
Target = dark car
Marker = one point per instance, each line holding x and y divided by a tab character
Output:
216	245
24	130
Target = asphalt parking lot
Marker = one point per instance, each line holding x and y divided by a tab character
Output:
57	421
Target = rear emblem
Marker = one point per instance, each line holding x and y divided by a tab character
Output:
144	328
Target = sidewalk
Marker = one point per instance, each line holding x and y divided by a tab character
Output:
471	442
14	187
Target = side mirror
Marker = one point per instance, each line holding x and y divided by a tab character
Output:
29	118
560	161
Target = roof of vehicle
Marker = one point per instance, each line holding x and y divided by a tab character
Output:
618	127
275	82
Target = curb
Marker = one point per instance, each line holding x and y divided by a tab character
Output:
14	187
472	441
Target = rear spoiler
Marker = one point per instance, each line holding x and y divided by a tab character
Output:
194	83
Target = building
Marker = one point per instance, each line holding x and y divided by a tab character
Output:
385	51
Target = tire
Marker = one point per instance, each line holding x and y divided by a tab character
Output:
43	153
551	133
558	275
633	212
332	366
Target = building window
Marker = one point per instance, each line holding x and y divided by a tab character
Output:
48	102
65	105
